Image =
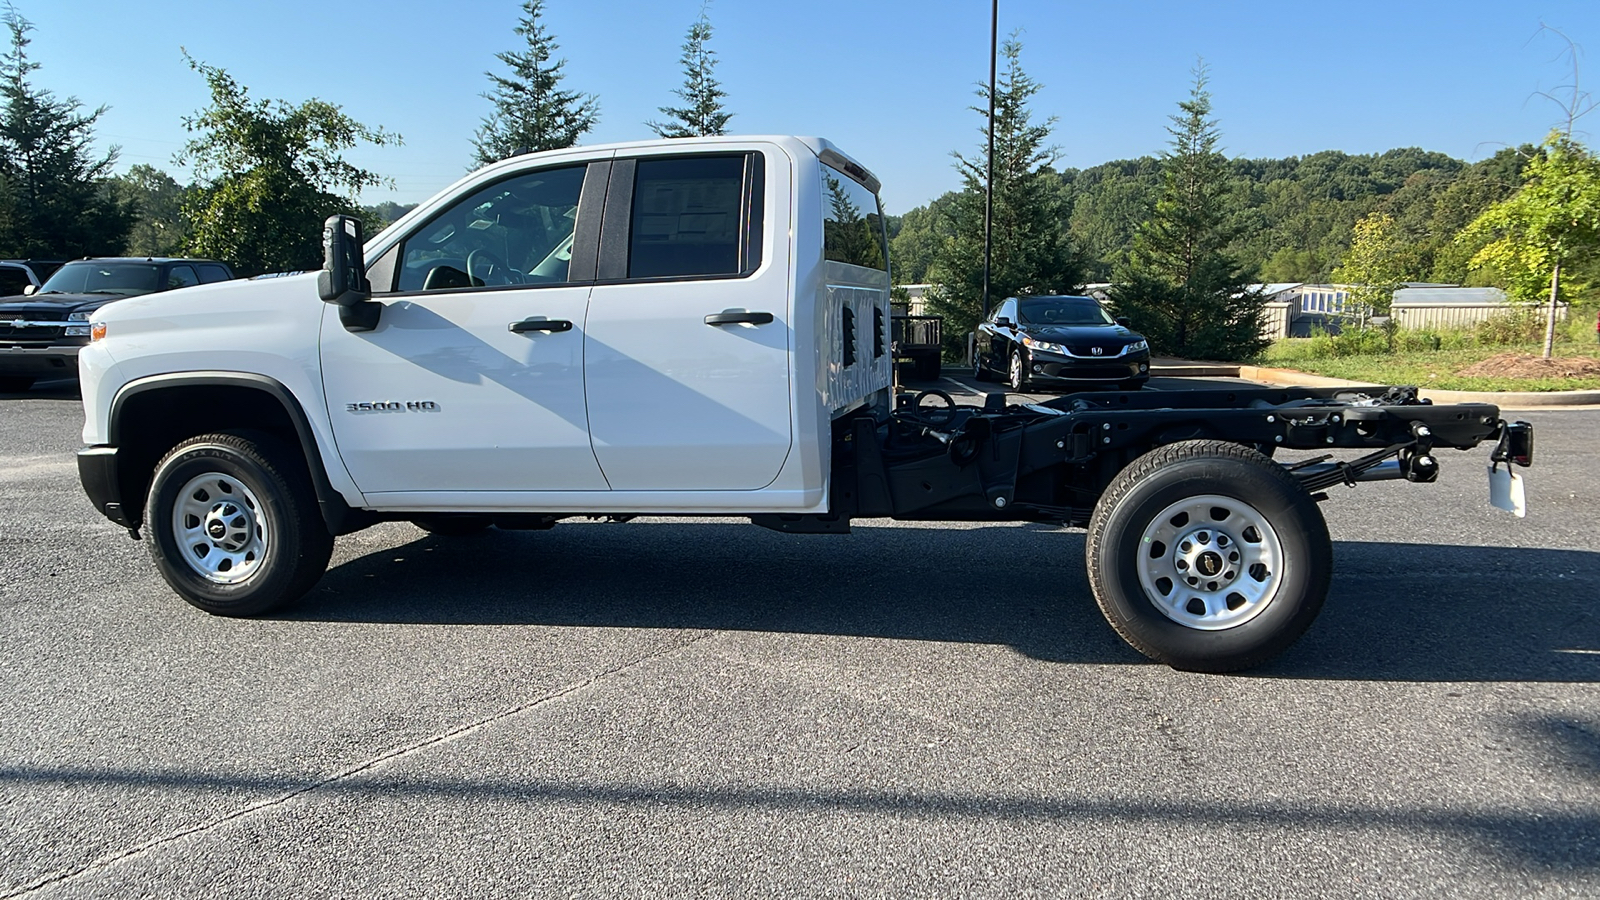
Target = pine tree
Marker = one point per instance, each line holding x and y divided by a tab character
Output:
54	199
702	95
1178	284
531	111
1031	252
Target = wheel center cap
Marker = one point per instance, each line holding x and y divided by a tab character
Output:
1208	564
217	530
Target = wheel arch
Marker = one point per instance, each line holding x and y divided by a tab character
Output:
173	407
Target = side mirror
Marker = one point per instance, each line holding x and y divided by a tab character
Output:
28	290
343	280
1004	322
1124	321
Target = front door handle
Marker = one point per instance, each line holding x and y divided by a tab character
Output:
739	318
540	325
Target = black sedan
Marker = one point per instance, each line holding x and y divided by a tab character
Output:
1059	342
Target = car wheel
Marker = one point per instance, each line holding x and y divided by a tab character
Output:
1018	379
15	384
1206	556
233	524
979	373
453	525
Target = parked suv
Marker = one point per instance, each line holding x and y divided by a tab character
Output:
42	329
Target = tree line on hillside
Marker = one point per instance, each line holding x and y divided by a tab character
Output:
268	172
1181	239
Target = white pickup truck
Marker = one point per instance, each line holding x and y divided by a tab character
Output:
691	327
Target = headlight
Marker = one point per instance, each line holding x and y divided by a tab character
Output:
79	326
78	317
1137	346
1045	346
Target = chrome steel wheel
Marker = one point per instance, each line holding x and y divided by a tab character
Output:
1210	562
219	526
1018	376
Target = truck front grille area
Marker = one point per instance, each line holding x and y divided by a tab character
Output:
30	332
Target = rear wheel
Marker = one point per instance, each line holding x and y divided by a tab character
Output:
1207	556
15	384
979	373
233	524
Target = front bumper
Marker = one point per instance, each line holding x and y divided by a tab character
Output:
1048	368
97	469
39	362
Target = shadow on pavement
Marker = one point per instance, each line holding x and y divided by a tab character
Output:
1410	612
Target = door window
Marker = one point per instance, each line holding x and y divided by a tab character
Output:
686	219
212	274
180	277
514	232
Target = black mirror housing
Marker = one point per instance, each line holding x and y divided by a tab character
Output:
1003	322
344	277
1124	321
343	280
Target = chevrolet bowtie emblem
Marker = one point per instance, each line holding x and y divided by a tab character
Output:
19	323
1097	350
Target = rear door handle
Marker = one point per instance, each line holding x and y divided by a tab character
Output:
739	318
540	325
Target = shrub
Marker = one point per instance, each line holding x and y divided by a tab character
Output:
1518	325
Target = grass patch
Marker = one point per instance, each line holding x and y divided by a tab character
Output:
1424	368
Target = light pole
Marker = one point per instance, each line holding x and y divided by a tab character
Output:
988	183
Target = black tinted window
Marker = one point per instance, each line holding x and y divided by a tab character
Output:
181	276
1063	311
686	217
852	224
108	278
517	231
12	281
212	274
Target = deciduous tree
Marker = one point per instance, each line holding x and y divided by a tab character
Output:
270	174
1551	222
1377	264
532	112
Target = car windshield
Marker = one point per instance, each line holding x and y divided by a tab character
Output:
1062	311
103	278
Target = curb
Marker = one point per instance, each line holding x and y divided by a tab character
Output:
1503	399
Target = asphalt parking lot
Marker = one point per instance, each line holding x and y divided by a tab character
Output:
704	708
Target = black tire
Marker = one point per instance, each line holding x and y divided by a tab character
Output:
273	513
979	373
1198	633
453	524
928	368
15	384
1017	374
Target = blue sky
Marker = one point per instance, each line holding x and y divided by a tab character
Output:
888	80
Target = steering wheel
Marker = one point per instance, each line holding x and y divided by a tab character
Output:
495	270
935	415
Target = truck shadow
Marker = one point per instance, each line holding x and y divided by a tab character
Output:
1395	612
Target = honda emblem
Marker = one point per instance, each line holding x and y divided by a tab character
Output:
1097	350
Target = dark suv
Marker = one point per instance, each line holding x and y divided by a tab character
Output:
42	330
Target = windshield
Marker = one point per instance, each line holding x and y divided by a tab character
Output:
1062	311
103	278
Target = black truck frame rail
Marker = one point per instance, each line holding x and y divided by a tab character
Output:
1051	461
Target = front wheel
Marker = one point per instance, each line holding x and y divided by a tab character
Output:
1207	556
1018	374
234	526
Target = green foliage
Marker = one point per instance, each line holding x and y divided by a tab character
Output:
531	111
271	174
54	201
1031	252
160	227
1519	325
1180	286
702	113
1552	223
922	233
1377	264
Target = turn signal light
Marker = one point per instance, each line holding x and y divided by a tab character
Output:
97	331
